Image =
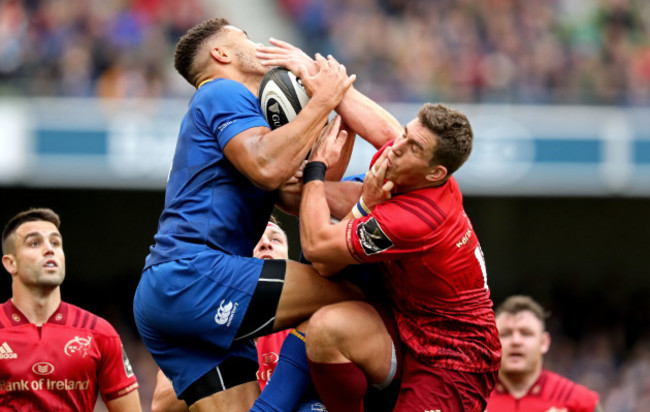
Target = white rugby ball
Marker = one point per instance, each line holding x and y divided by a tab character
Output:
282	96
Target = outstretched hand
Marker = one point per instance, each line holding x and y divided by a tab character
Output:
376	188
286	55
329	144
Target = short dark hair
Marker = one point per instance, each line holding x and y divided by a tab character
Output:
30	215
454	135
520	303
189	45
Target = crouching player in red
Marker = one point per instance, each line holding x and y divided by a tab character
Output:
524	385
54	355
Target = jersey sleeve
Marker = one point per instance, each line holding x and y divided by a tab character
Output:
115	374
583	399
228	108
389	234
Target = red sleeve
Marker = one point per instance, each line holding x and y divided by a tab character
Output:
115	374
582	399
392	232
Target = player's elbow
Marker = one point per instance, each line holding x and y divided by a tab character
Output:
325	269
270	175
268	179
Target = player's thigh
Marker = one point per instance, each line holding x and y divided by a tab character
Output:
235	399
305	291
356	331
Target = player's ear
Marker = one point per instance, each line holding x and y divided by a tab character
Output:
220	54
438	173
9	262
546	342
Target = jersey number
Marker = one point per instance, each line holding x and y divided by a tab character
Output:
481	261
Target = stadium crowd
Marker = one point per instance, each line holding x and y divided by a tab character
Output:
514	51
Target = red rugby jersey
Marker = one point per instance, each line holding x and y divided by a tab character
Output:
550	391
435	276
60	365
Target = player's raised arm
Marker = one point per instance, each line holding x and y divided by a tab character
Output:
270	158
364	116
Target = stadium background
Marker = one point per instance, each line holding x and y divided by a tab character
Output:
558	186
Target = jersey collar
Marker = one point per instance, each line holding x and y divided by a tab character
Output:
17	317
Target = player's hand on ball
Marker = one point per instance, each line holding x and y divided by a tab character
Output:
329	144
329	85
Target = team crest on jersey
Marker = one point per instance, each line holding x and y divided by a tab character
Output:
372	237
270	358
77	346
43	368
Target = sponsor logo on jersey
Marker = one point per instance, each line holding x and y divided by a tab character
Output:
372	237
127	364
77	346
42	368
6	352
225	313
318	407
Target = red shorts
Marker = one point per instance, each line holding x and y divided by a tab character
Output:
427	388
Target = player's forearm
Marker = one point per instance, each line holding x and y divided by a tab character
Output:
368	119
342	196
314	217
282	150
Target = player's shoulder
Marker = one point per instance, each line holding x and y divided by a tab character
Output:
575	394
416	213
80	318
224	88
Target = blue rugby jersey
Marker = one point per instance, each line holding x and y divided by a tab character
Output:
208	202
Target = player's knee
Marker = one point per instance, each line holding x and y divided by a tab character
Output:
324	325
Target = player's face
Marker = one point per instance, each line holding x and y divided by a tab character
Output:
244	51
523	342
272	245
38	260
410	156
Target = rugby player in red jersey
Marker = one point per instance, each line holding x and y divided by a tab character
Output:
524	384
54	356
410	218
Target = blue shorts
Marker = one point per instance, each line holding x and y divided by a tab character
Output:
188	312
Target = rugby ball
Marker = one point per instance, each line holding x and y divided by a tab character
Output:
282	96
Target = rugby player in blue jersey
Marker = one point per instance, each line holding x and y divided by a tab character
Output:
202	296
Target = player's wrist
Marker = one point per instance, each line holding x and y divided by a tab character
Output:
360	209
314	170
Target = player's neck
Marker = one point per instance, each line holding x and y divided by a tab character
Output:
37	305
518	384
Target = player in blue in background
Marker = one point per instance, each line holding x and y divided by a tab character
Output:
202	296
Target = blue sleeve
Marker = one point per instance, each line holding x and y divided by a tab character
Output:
354	178
228	108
